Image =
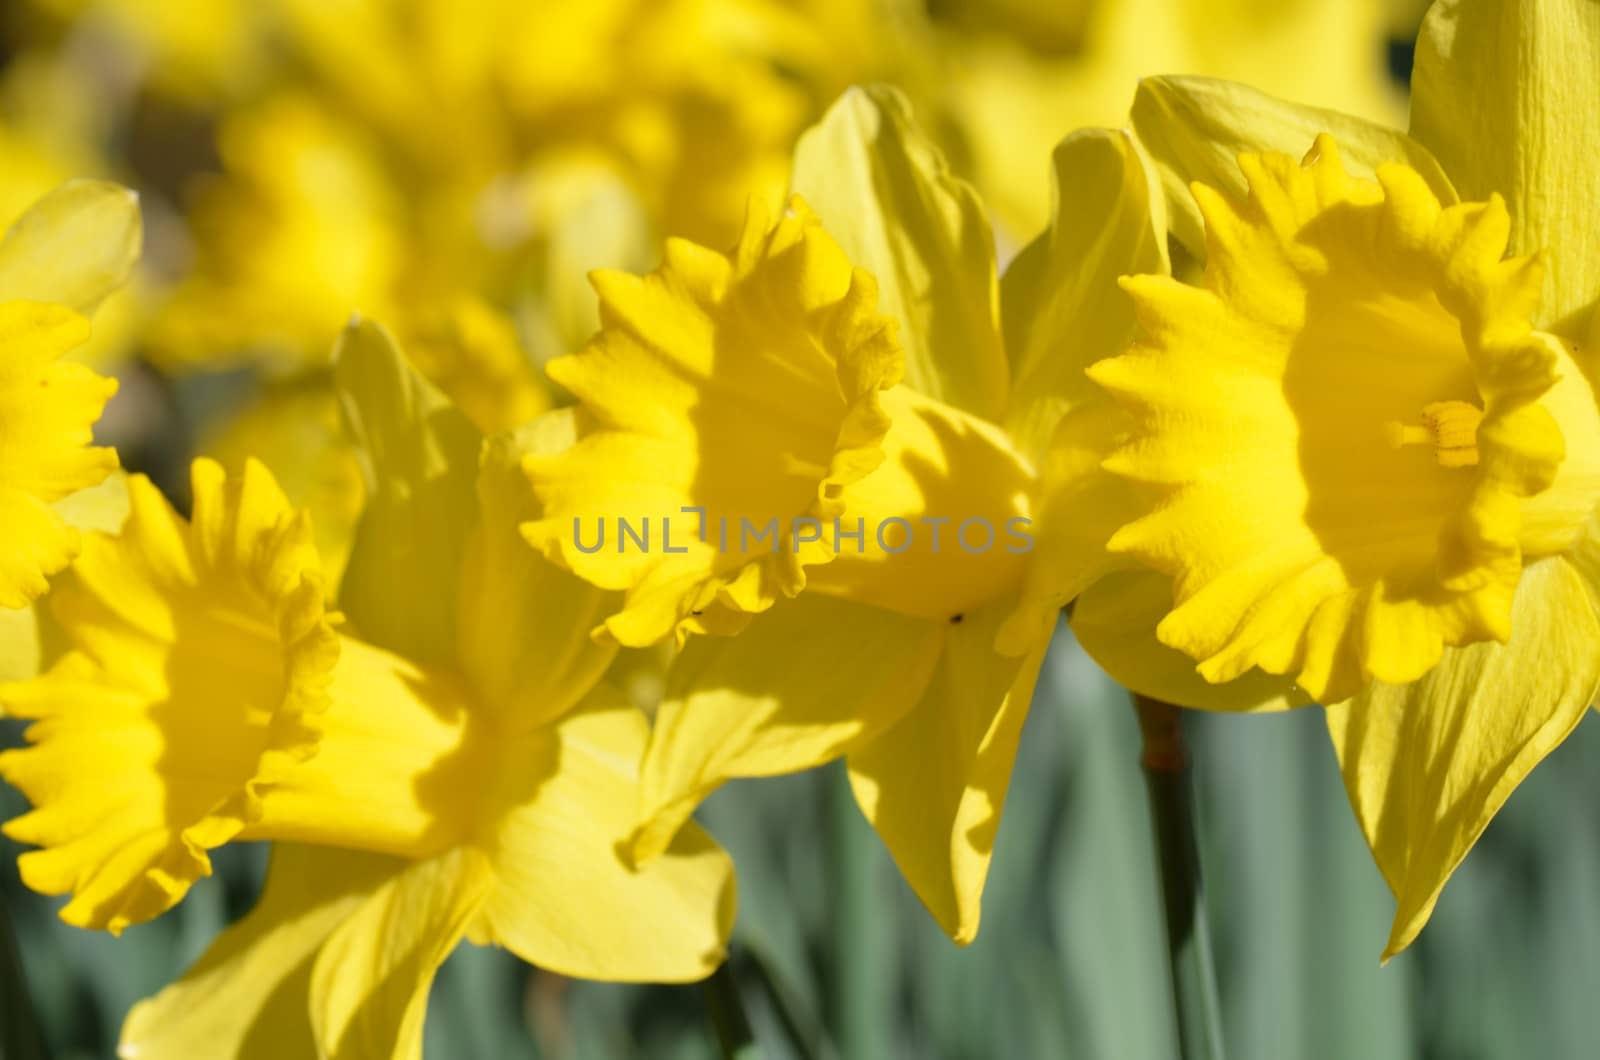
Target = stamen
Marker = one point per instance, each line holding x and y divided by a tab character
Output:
1451	427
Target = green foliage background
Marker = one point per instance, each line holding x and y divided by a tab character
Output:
835	956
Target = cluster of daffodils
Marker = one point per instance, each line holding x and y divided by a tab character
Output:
1283	407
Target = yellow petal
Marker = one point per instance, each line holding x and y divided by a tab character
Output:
1428	765
884	192
1338	434
303	228
1502	93
200	655
471	352
294	427
744	386
941	527
807	681
1064	310
29	637
420	461
1196	128
563	899
523	632
370	981
48	409
1083	506
934	784
73	247
249	995
1115	621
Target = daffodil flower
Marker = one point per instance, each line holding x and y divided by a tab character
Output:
1365	449
1022	72
457	769
843	370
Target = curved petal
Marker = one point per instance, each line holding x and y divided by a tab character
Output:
513	599
74	247
1115	620
248	997
1427	765
563	898
934	785
1503	94
883	190
370	981
420	460
48	409
804	684
29	637
1196	128
1063	307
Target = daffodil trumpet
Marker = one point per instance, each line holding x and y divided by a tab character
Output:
1359	462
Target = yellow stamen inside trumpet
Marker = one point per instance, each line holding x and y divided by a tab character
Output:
1451	427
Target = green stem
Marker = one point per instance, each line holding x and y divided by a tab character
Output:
734	1036
19	1034
1194	986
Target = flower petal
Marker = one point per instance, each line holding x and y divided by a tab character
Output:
934	784
420	460
48	409
1427	765
74	247
1115	621
563	898
513	599
802	685
248	997
1503	94
1196	128
370	981
883	190
1063	308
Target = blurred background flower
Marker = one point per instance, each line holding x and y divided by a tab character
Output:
454	169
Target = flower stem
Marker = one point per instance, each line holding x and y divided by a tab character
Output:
734	1036
1194	987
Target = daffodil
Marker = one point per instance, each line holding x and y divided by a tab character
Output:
1365	449
1023	73
440	761
830	444
414	158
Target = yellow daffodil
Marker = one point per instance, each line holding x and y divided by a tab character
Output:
57	262
420	156
198	51
1023	73
441	761
1366	448
842	371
